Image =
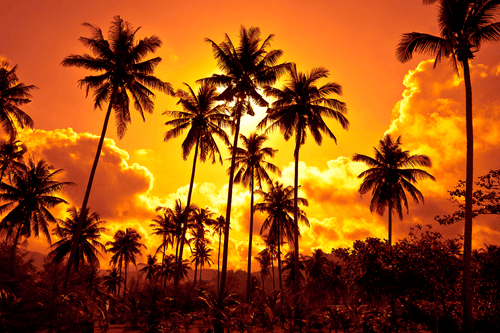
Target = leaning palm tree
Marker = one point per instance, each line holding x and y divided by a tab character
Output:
246	68
299	106
278	204
251	167
392	173
122	74
205	118
11	156
464	26
27	200
89	246
125	246
12	95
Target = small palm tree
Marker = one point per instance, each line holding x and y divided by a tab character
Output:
89	246
251	167
301	106
202	255
125	246
264	260
112	281
246	68
122	74
218	229
465	26
205	117
278	204
12	95
151	269
392	173
11	156
164	226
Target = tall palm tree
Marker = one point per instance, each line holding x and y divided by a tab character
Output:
112	281
89	246
218	229
251	167
205	117
122	74
278	204
464	26
27	201
12	95
11	156
301	105
125	246
246	68
392	173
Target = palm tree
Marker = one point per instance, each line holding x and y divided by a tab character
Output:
290	267
246	68
265	262
151	268
199	240
392	173
89	245
121	73
27	201
202	256
299	106
125	246
112	281
251	167
167	269
12	95
278	204
272	248
165	227
218	229
464	25
11	156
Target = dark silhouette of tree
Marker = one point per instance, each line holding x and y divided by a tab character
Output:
246	68
112	281
264	260
150	269
289	270
278	204
27	200
122	75
272	248
13	94
252	168
202	255
392	173
218	229
205	118
125	246
164	226
464	26
300	106
11	156
89	246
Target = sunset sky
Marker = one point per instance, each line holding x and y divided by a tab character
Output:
354	40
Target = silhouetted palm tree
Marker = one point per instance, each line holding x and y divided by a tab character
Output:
264	260
13	94
246	68
290	267
165	227
464	26
198	238
392	173
11	156
89	245
278	204
112	281
122	74
218	229
151	268
300	106
202	255
251	167
167	269
271	244
125	246
205	118
27	201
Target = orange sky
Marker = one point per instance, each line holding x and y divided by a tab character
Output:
355	40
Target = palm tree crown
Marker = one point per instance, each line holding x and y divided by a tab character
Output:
11	156
12	95
392	173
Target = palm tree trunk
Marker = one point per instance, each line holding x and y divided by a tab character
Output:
119	278
218	262
296	211
186	213
390	223
249	266
279	260
125	281
222	290
272	266
78	232
195	270
467	279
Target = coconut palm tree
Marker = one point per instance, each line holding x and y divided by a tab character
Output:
89	246
13	94
251	167
151	269
202	255
205	118
199	240
122	75
112	281
465	25
125	246
246	68
264	260
27	200
300	106
165	227
11	156
218	229
278	204
392	173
